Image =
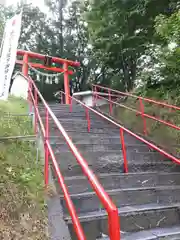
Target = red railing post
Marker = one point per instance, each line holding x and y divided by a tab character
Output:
66	83
93	96
114	225
143	117
46	169
88	120
35	112
124	150
96	96
25	65
29	95
110	103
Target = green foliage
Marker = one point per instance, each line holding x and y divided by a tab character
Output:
72	39
168	28
18	157
112	40
4	14
21	187
10	124
120	32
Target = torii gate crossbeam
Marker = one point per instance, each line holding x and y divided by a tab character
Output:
66	63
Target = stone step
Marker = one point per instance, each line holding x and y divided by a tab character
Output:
132	218
172	233
89	202
78	129
74	169
87	139
65	110
80	184
112	156
95	133
101	135
60	106
139	148
111	160
91	138
68	108
79	121
95	118
71	114
79	124
86	135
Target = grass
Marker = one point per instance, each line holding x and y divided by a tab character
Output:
162	135
22	208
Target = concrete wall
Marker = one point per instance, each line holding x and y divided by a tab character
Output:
87	98
20	86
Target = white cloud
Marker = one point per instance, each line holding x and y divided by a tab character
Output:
39	3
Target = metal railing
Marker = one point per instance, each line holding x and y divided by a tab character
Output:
97	93
122	130
113	217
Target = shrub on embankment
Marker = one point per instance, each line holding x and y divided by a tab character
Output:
22	209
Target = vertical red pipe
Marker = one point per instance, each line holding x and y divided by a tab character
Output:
142	115
124	150
88	120
25	65
66	83
114	225
110	102
93	97
25	73
35	111
29	95
46	170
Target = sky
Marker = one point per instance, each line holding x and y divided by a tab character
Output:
39	3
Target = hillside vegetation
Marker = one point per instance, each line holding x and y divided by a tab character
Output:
162	135
22	209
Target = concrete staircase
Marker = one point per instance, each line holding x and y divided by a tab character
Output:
148	197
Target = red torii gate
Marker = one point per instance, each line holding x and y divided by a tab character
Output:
66	63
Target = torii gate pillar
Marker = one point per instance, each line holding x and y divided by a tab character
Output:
25	65
66	83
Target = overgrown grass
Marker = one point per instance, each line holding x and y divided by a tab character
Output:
22	209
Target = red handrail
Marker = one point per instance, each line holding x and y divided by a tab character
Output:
169	124
137	97
111	92
113	217
151	145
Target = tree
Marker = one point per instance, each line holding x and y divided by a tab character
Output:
75	39
159	73
5	13
168	28
120	32
58	9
